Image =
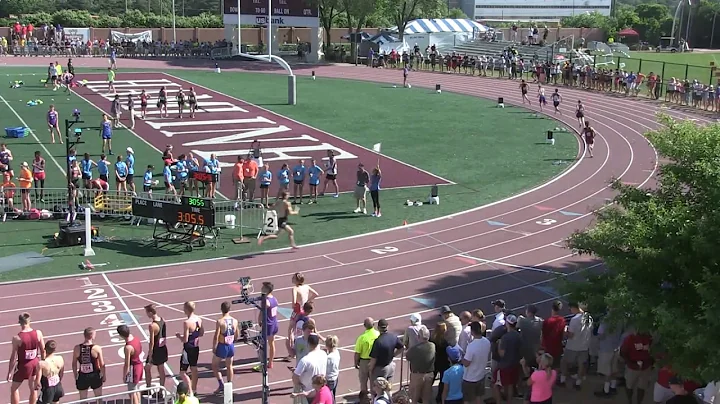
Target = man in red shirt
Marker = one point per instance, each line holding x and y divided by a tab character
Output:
635	350
663	391
553	331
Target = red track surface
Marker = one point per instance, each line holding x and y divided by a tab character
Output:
513	261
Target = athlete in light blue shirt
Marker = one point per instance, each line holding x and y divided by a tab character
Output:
121	172
265	180
315	173
148	181
103	167
299	172
212	165
130	161
86	166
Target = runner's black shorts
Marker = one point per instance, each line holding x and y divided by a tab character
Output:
159	356
189	358
87	381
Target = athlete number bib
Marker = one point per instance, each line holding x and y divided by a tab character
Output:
30	354
161	342
86	368
270	225
229	339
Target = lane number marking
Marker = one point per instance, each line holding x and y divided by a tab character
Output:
546	222
384	250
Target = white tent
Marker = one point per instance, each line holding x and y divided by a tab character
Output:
444	33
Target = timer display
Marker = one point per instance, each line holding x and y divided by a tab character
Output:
191	210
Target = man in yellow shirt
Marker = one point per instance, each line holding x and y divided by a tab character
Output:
182	395
363	346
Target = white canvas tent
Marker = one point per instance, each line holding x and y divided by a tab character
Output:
444	33
386	43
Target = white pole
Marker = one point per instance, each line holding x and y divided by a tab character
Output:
88	234
269	25
227	393
174	28
239	37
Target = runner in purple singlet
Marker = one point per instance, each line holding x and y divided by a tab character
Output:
272	322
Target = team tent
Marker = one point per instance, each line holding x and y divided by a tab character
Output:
444	33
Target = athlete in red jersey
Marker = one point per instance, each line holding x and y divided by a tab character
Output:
88	365
28	348
133	368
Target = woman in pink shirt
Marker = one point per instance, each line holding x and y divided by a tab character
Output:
542	380
321	393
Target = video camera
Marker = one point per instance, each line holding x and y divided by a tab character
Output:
245	291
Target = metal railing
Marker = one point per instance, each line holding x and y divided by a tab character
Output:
153	398
146	51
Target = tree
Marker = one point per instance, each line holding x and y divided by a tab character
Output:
357	12
328	11
660	246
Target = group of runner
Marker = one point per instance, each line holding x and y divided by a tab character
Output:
34	359
587	131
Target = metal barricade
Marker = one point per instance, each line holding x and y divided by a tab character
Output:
167	396
244	218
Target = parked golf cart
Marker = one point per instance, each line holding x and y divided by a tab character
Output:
667	45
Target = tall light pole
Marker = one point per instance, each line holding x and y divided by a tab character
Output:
269	25
712	32
173	19
239	38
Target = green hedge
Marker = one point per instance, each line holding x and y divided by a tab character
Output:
131	19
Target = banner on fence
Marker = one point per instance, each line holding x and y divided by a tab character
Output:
81	35
117	36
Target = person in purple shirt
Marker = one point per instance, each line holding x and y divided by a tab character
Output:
272	322
375	179
53	124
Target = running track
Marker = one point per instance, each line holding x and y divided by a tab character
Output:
462	260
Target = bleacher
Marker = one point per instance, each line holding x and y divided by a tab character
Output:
484	47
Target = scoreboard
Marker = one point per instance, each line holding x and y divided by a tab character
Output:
190	210
280	8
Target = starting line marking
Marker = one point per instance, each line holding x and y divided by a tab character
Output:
545	271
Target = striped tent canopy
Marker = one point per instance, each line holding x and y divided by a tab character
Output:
383	38
427	26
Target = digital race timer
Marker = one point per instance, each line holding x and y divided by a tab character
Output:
190	210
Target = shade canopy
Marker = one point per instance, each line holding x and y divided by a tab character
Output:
628	32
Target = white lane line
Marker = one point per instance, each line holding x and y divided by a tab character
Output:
545	271
333	260
137	323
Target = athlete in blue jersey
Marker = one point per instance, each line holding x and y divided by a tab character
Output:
103	167
212	165
106	134
283	181
226	331
121	172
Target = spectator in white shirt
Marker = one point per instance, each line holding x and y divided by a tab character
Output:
475	361
333	363
312	364
577	347
465	334
499	306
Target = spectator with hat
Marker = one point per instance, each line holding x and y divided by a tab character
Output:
475	362
499	321
363	347
454	326
411	333
452	378
421	358
509	355
383	352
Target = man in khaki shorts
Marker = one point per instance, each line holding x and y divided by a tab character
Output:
363	178
635	350
363	346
